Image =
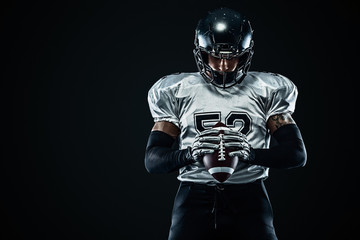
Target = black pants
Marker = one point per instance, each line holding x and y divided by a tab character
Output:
239	211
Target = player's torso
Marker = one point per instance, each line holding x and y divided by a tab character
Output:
201	105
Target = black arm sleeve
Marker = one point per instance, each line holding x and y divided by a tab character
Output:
161	158
289	153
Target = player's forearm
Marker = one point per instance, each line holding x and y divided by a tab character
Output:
160	157
289	153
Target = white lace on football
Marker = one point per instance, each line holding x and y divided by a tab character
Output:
221	148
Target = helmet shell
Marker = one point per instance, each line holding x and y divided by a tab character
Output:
223	29
223	33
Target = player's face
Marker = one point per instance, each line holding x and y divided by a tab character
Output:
223	65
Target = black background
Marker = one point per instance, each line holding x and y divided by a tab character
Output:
75	77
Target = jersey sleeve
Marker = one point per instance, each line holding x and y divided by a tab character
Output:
162	103
283	99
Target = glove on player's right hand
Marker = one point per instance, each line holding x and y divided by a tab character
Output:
205	143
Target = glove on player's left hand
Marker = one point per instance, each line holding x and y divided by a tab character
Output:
239	141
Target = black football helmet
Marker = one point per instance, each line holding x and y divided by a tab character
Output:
223	33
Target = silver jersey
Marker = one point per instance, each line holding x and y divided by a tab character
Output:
193	104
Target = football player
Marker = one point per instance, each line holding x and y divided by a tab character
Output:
255	105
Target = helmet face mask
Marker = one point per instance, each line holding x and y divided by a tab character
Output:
223	34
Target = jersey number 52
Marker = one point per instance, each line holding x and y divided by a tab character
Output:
240	121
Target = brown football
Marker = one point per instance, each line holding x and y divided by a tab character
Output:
219	164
